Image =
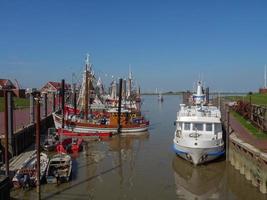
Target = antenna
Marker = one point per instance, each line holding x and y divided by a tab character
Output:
130	72
87	61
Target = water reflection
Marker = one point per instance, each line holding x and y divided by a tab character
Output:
198	183
127	143
145	167
160	105
124	151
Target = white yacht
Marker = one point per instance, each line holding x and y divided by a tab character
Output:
198	137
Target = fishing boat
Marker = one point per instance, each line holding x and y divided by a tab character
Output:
76	145
59	168
99	114
130	123
69	145
26	175
198	136
51	140
64	145
160	97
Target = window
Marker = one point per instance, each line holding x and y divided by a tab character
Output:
198	127
187	126
218	128
209	127
179	125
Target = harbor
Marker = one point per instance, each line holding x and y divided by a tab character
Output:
133	100
190	145
145	167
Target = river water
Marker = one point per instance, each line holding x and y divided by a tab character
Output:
145	167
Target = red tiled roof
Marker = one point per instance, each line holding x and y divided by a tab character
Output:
4	82
57	85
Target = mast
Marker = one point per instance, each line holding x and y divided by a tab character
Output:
114	90
129	82
100	86
86	88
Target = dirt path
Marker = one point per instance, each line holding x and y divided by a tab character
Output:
244	134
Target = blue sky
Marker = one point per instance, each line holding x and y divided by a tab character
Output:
168	43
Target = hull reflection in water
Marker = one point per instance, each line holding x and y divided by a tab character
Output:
198	183
126	142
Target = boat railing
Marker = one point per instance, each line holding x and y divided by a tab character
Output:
193	114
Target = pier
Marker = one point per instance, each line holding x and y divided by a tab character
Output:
16	139
245	152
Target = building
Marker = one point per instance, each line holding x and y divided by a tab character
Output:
54	87
6	84
263	90
51	88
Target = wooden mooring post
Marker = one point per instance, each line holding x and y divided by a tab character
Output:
227	134
37	135
32	107
119	107
10	110
62	102
44	96
6	132
53	102
74	99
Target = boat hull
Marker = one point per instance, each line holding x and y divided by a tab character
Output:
49	147
198	155
62	163
95	129
28	168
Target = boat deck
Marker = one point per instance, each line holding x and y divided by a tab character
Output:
17	161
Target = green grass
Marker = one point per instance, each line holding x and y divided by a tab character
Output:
19	103
256	98
250	127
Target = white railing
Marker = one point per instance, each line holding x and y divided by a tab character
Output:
202	114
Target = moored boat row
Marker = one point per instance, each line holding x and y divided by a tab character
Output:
57	169
97	112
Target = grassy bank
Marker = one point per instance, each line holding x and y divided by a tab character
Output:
259	99
19	103
250	127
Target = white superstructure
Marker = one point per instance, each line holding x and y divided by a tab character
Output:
198	136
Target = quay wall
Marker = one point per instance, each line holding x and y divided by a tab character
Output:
4	188
249	161
25	136
242	149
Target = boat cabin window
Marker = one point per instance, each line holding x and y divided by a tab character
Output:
186	126
209	127
218	128
179	125
198	127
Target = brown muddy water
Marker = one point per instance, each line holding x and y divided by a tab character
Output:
145	167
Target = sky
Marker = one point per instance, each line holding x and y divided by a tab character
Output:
170	44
